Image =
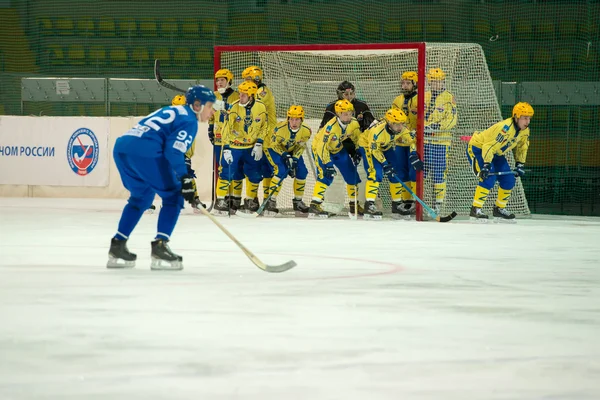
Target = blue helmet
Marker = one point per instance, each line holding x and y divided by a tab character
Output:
200	93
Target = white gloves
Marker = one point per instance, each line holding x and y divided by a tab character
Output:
219	105
227	156
257	151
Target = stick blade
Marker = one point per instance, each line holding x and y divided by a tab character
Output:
157	70
447	217
280	268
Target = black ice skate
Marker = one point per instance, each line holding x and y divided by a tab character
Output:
410	206
398	210
250	205
316	210
504	216
163	259
371	211
476	215
352	209
119	255
271	209
236	203
221	208
300	209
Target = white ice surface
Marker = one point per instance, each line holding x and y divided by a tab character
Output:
374	310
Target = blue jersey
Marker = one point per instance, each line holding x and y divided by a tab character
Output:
167	132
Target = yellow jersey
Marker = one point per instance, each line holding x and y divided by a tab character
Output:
219	117
408	104
265	95
376	140
440	117
329	138
283	140
500	138
245	125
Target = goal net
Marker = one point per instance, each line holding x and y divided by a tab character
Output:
308	75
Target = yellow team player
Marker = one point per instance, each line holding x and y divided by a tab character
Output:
376	146
407	159
486	153
255	74
223	82
440	118
284	154
243	137
329	152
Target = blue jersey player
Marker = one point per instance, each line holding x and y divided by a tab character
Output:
150	158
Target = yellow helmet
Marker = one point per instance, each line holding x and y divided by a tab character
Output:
436	74
224	73
295	112
178	100
522	109
253	72
395	116
248	87
343	106
410	76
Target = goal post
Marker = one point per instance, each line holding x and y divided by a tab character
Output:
308	75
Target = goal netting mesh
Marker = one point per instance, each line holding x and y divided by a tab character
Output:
310	78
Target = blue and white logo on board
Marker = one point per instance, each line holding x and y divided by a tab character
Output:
82	151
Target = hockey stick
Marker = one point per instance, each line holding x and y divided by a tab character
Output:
511	172
162	82
431	213
268	268
262	206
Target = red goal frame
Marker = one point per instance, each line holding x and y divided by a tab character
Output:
421	68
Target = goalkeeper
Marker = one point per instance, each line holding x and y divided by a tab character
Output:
486	153
377	148
330	150
284	155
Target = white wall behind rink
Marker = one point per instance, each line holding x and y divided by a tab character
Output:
201	162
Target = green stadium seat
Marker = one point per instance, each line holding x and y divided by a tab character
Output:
541	59
203	58
568	29
351	32
520	58
434	31
106	27
560	118
210	27
86	26
181	56
289	30
64	26
329	31
524	29
502	28
97	55
414	31
2	110
372	30
392	31
76	55
127	27
118	57
46	26
162	54
498	59
309	31
148	27
55	54
140	56
563	59
190	28
482	30
544	30
96	110
142	109
258	27
169	28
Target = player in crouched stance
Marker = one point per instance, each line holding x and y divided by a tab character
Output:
150	158
331	149
376	146
284	155
486	153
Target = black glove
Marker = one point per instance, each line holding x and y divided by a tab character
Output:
519	169
415	161
329	172
291	163
187	188
356	157
389	170
484	172
188	164
211	133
